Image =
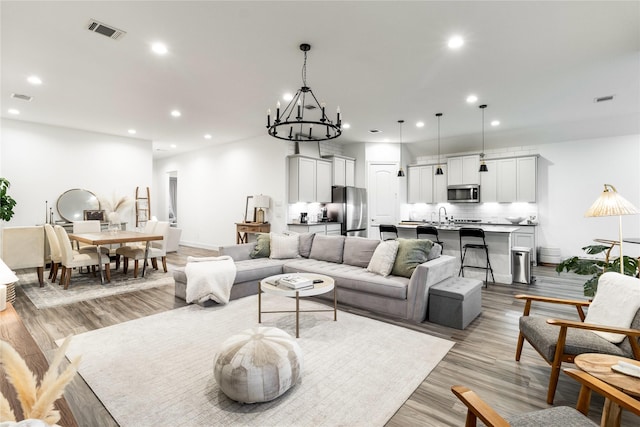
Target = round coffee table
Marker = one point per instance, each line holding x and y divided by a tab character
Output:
270	285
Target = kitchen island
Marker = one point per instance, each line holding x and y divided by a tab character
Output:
498	239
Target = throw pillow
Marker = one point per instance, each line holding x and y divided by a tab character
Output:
616	303
283	246
263	246
306	239
327	248
411	252
358	251
383	258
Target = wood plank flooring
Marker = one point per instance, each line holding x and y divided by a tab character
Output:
482	358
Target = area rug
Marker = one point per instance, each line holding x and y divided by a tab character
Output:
85	287
158	370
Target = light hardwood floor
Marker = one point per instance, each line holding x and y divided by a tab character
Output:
482	358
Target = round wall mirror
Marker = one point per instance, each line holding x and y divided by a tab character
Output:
72	204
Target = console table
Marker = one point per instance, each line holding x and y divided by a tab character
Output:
13	331
243	229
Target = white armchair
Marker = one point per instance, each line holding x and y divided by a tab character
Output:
23	247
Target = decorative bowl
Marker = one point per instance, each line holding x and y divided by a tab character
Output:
515	219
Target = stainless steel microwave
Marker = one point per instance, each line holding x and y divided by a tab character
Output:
463	194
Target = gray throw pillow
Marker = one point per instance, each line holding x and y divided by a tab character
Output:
358	251
262	246
411	252
327	248
306	239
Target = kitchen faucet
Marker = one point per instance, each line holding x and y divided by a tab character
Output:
445	214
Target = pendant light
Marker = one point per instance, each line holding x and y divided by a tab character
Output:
439	168
400	171
483	165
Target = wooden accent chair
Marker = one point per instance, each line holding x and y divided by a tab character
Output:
559	416
559	340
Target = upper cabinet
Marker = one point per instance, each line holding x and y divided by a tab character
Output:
343	170
309	180
463	170
509	180
420	184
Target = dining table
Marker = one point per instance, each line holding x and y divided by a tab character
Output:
111	237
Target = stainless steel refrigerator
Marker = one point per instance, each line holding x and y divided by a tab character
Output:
349	207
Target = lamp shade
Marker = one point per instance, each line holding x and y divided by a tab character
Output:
611	203
6	275
261	201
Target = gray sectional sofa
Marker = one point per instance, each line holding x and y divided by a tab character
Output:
344	259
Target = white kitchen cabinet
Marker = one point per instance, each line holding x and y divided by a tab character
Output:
334	229
420	182
321	228
526	237
526	179
309	180
506	180
463	170
440	185
343	170
489	183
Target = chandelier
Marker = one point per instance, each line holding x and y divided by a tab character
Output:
291	124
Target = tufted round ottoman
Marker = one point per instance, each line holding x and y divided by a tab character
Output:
258	365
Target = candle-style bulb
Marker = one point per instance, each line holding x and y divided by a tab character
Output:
278	104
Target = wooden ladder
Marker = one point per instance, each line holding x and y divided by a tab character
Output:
143	206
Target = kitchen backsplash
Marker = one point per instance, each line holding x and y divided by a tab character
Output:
486	212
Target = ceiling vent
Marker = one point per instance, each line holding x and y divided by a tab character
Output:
21	96
105	30
375	131
604	98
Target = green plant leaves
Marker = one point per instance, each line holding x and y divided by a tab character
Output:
7	202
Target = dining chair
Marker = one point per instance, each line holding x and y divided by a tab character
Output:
24	247
559	416
91	226
388	232
148	228
71	259
157	249
54	250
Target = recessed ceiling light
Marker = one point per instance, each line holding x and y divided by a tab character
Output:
471	99
287	96
176	113
132	131
207	136
346	126
173	145
455	42
13	111
34	80
495	123
420	124
159	48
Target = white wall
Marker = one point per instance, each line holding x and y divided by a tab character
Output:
213	184
43	161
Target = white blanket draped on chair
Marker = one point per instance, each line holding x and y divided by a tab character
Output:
210	278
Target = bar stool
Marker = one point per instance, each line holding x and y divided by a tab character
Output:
427	230
388	229
475	234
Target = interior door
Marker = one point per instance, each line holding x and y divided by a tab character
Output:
383	186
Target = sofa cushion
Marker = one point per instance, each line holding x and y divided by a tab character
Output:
358	251
411	252
304	246
435	252
257	269
351	277
283	246
263	246
327	248
383	258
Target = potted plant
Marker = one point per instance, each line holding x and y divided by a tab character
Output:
7	202
595	267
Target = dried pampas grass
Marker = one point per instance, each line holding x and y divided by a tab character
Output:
36	400
115	204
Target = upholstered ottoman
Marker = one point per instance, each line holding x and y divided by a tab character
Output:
258	365
455	302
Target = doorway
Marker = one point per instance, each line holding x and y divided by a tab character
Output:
172	198
383	195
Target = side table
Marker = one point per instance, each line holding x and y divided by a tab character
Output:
243	229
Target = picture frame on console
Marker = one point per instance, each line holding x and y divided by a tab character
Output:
94	215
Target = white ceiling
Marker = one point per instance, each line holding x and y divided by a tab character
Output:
538	66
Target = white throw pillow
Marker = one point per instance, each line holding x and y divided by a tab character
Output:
616	303
282	246
383	258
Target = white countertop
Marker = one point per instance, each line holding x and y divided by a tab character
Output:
493	228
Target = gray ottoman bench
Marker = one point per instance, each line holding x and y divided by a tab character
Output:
455	302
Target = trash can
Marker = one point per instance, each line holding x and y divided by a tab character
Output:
521	264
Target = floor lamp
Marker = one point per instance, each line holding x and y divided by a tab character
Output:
611	203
